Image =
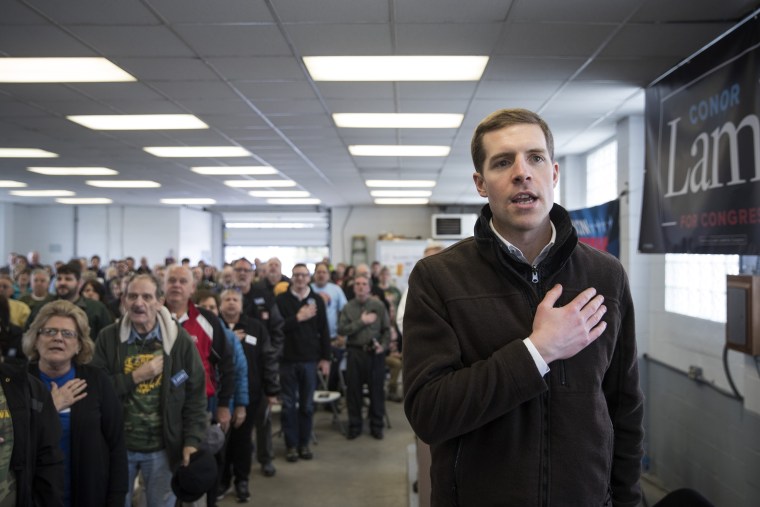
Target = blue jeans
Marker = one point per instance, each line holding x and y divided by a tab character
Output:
157	475
298	380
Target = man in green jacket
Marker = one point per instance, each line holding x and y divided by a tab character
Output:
159	378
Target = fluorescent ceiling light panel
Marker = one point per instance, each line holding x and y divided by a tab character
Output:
235	171
73	171
61	70
189	201
397	120
260	183
278	193
11	184
293	201
395	68
139	121
397	150
401	193
42	193
123	183
401	201
26	152
400	183
84	200
268	225
197	151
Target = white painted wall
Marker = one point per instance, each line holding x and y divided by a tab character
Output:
47	229
113	232
410	221
195	235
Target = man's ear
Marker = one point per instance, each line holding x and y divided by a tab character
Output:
479	184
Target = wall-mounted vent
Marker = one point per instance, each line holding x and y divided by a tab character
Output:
453	226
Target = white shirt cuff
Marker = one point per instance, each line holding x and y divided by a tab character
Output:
541	365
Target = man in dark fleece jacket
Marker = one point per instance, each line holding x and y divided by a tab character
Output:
306	348
519	350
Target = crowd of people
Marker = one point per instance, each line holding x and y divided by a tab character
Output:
161	375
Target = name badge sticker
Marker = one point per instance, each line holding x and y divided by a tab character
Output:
250	339
258	301
179	378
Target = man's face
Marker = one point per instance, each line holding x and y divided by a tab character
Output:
95	262
231	304
67	286
6	287
274	271
518	178
209	304
141	304
228	276
243	274
179	286
321	275
300	278
40	284
361	288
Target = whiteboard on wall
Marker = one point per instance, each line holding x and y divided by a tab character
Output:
401	255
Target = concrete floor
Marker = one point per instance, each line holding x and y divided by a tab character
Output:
344	473
349	473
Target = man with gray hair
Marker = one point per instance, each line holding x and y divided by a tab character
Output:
159	378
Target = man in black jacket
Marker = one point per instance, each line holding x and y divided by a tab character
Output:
306	348
520	361
258	303
34	458
263	387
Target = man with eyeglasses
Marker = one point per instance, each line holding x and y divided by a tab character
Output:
259	303
306	348
160	381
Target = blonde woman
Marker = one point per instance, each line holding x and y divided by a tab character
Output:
59	347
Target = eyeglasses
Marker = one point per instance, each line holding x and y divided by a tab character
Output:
51	332
243	270
300	275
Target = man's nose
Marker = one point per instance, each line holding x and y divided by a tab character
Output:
521	170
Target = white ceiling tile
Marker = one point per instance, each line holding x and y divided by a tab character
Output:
228	11
447	38
40	41
135	41
331	11
234	40
95	12
341	40
452	11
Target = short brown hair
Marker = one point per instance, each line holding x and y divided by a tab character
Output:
60	308
501	119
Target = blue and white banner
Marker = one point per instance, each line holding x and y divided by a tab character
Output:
702	181
599	226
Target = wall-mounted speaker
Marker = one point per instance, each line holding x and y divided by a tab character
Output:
743	313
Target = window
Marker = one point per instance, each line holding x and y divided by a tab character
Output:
695	285
288	255
601	175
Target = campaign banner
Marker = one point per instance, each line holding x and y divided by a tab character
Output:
702	180
599	226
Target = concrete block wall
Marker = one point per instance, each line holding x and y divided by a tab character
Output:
700	438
